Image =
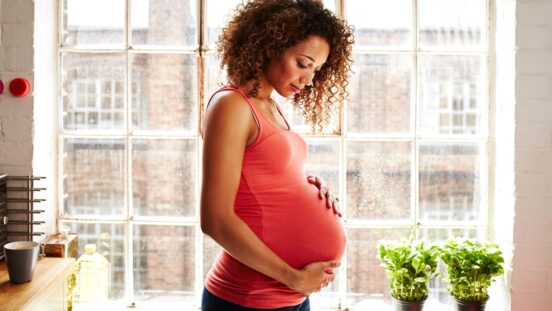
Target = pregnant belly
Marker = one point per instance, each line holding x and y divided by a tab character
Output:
301	229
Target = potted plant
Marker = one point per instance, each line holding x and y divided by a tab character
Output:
471	268
409	265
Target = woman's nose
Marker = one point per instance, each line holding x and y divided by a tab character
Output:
307	79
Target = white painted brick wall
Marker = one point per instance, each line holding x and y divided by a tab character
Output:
28	144
532	261
16	59
526	115
17	11
533	135
15	35
533	86
531	36
16	114
532	279
535	209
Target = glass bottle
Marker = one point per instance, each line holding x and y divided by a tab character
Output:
92	275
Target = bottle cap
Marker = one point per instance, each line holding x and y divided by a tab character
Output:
89	248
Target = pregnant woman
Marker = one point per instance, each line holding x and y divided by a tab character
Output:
281	232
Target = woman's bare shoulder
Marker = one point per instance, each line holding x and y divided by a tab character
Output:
228	102
228	109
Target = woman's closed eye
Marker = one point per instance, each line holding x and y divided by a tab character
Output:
301	65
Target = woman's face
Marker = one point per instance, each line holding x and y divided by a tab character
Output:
297	66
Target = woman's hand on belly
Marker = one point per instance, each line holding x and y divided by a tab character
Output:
324	192
313	277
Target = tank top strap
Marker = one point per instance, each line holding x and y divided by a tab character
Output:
259	119
243	94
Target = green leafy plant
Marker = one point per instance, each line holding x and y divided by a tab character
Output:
409	265
471	268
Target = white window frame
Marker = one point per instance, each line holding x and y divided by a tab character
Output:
202	50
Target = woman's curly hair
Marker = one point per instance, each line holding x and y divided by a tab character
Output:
262	30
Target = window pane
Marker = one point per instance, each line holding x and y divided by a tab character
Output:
94	171
383	108
381	24
450	182
452	94
330	4
164	177
441	235
300	125
215	77
110	242
323	161
93	91
218	13
168	22
380	94
366	279
164	92
211	251
98	22
164	265
378	180
328	297
452	24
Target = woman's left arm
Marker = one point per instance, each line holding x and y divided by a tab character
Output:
324	192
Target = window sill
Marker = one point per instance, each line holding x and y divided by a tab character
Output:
363	305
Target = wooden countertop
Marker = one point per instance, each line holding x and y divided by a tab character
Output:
49	274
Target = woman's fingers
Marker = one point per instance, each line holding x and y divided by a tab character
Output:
324	192
331	264
328	194
319	183
326	282
335	206
316	275
329	201
333	203
324	189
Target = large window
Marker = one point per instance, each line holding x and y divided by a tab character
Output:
407	154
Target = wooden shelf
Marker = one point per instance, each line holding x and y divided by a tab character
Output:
50	273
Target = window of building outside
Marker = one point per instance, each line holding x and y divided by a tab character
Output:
407	154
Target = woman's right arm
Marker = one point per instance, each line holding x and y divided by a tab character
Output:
227	129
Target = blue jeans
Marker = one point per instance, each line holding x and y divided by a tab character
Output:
210	302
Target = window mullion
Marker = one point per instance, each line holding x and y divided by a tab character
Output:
342	286
415	150
200	58
484	186
129	248
484	139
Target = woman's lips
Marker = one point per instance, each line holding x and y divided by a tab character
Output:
295	89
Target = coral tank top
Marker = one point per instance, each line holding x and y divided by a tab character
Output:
283	209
